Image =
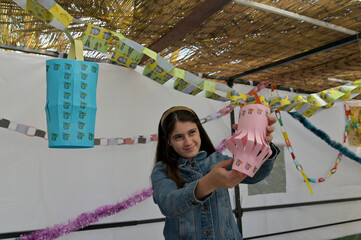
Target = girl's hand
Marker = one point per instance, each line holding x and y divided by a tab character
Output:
222	178
218	177
269	129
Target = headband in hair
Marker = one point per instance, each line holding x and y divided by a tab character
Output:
173	109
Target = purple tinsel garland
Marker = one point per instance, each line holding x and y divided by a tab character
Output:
85	219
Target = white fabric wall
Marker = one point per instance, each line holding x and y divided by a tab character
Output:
40	187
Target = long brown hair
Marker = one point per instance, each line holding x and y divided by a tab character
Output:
165	153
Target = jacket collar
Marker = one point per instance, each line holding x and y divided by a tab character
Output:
183	161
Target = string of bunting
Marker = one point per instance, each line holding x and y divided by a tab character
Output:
139	139
129	53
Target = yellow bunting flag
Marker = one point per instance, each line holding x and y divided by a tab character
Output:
128	53
64	17
331	95
215	96
185	87
237	98
158	70
96	38
39	11
279	103
252	100
208	86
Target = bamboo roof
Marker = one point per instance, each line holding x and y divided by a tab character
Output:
220	39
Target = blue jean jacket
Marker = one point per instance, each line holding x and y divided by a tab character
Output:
188	218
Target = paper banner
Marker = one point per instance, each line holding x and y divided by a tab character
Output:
96	38
208	86
237	98
215	96
279	103
128	53
49	12
252	100
313	105
39	11
158	70
186	87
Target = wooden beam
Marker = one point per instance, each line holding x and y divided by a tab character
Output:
188	24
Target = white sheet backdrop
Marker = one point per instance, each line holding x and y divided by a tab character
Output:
40	187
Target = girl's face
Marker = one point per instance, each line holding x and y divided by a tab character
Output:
185	139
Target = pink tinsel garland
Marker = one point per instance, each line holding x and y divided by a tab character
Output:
87	218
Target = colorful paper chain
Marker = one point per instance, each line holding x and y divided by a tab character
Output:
129	53
290	149
140	139
298	165
339	155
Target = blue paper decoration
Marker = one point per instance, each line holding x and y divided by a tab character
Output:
71	102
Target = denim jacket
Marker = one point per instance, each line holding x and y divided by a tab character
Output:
187	217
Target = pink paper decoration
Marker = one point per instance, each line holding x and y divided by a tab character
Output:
249	145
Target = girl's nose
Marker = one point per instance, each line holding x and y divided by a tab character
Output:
187	140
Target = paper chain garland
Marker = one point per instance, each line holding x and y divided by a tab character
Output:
87	218
339	155
298	165
129	53
290	149
343	150
140	139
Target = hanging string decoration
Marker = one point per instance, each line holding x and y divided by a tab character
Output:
87	218
290	149
339	156
117	141
129	54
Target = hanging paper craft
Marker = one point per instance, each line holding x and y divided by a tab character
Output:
96	38
71	102
158	70
249	145
128	53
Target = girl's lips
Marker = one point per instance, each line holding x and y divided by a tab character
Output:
189	149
